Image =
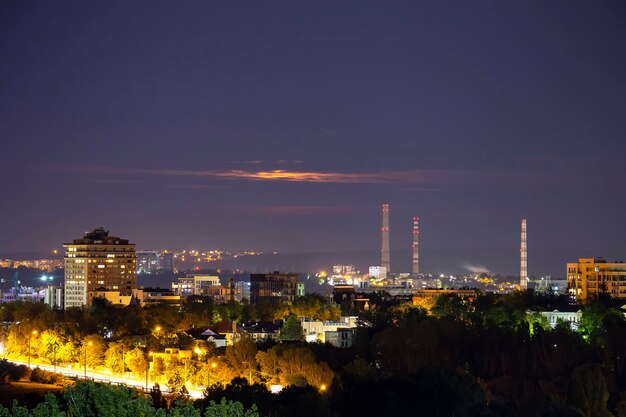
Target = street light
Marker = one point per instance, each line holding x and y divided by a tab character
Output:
33	333
88	344
55	345
147	367
213	366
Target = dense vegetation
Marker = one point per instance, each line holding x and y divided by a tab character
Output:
486	357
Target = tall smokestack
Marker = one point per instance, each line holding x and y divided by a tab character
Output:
384	258
416	243
523	275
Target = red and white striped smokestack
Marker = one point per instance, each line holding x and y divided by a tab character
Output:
416	245
384	253
523	278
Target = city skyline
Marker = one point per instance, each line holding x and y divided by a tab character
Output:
246	127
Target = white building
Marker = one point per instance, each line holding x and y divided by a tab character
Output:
54	295
317	330
194	284
556	316
379	272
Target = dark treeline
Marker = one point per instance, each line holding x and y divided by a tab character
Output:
490	356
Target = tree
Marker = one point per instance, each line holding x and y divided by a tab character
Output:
588	392
292	329
90	399
114	356
294	365
241	357
136	361
93	348
229	409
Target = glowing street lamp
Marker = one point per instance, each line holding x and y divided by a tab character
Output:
323	387
88	344
213	366
147	367
33	333
55	345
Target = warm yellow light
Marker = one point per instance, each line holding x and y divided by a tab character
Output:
90	343
197	350
157	329
323	387
34	332
214	365
151	353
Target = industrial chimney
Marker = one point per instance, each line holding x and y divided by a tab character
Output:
523	276
384	258
416	242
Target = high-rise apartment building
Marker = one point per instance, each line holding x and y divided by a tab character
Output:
274	286
98	262
590	277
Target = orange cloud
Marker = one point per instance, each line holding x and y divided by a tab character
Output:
414	176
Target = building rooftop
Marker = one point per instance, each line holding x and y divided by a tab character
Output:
99	236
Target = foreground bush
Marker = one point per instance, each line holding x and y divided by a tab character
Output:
45	377
91	399
10	372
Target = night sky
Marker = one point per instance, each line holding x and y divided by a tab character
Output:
284	125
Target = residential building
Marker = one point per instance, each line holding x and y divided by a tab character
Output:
316	330
343	337
347	294
300	291
242	290
54	296
170	355
590	277
98	262
344	270
463	294
22	293
194	284
272	287
159	295
379	272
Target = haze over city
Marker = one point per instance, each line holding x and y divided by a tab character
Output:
248	127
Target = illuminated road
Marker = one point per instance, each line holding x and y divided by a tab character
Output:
103	377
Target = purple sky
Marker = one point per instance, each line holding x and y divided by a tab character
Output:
284	125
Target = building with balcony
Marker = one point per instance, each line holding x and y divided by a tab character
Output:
195	285
273	287
98	262
590	277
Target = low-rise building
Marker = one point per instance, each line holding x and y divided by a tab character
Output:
159	295
194	284
169	355
316	330
343	337
556	316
